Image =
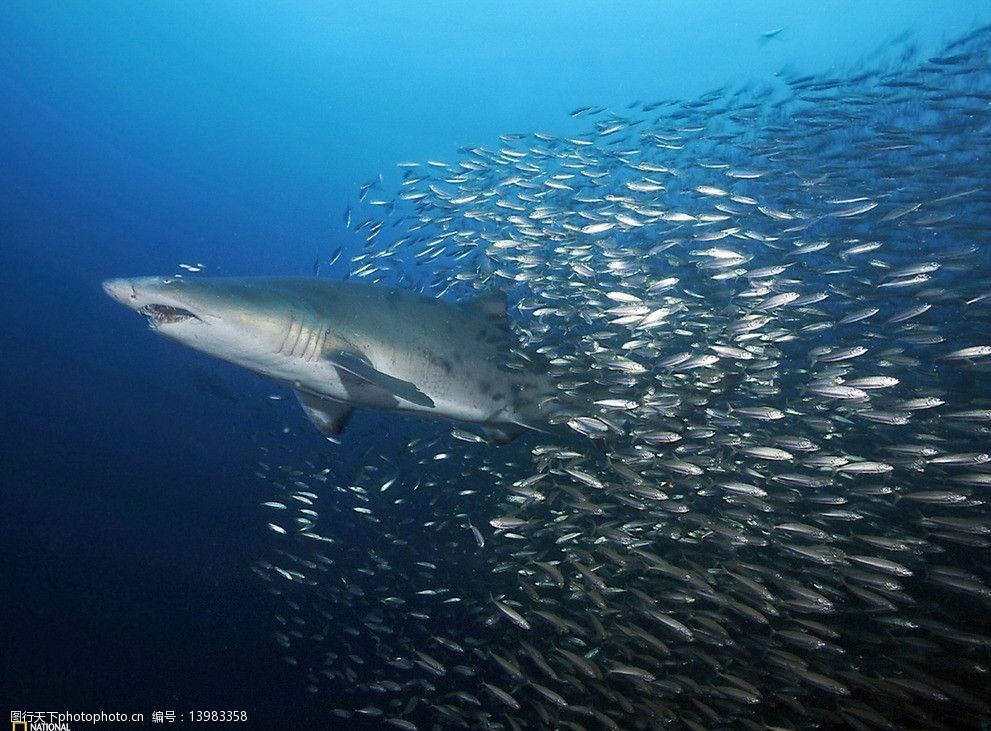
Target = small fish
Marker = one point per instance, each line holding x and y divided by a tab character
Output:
515	617
974	351
477	534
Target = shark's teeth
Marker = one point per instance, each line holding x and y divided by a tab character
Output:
166	314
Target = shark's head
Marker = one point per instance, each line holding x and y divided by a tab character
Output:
221	317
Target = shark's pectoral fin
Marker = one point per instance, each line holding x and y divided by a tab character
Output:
329	416
356	366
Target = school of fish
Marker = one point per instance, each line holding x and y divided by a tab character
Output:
773	511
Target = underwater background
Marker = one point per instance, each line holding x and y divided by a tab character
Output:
236	138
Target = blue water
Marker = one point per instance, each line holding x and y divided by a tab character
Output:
134	137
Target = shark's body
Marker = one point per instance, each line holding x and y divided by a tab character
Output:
343	345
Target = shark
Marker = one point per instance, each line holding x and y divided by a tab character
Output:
342	345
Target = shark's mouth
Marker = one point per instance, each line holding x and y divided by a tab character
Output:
165	314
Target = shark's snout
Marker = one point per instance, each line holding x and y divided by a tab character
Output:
121	290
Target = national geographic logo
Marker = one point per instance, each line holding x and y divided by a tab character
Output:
40	724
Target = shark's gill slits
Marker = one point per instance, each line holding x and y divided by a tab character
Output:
292	334
309	336
307	341
316	347
166	314
299	339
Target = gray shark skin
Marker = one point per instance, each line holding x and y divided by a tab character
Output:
345	345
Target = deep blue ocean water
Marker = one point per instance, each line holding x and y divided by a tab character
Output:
136	137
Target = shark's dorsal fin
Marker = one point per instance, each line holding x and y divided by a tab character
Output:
329	416
492	306
358	367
